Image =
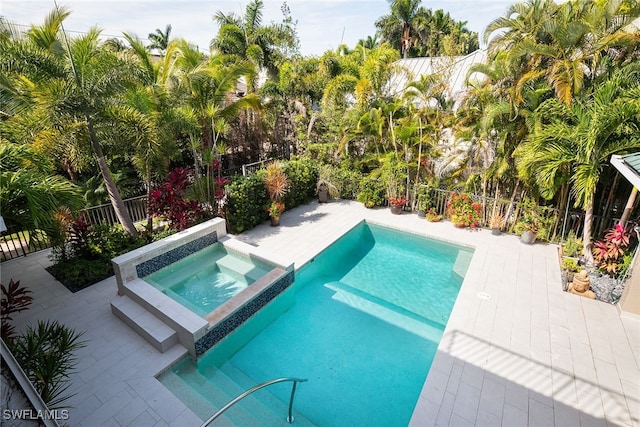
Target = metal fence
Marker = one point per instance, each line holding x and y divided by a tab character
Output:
554	231
16	242
105	214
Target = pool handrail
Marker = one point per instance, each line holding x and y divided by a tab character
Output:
241	396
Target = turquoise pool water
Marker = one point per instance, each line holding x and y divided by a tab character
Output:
206	279
364	327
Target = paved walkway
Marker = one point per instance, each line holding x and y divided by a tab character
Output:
529	355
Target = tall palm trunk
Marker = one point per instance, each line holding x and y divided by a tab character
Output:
586	233
629	207
114	194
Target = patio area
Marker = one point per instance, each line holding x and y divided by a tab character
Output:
516	351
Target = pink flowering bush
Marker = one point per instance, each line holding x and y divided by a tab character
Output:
462	211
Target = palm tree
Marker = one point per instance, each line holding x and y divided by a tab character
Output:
75	84
564	44
30	192
160	40
245	38
575	142
400	26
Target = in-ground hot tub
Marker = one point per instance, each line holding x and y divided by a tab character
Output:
205	280
200	282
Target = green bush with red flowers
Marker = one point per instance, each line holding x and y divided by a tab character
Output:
462	211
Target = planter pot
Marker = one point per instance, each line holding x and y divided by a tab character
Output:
528	237
421	214
458	225
434	219
275	220
496	231
396	210
323	194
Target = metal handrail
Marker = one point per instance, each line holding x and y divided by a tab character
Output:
256	388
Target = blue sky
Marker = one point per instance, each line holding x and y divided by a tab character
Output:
322	24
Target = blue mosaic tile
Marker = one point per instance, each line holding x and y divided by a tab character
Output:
154	264
230	323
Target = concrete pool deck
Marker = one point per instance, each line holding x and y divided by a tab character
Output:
529	354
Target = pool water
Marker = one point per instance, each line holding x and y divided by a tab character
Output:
368	315
208	278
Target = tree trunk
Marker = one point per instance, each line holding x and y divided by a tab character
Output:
629	208
511	203
607	208
586	233
312	121
114	195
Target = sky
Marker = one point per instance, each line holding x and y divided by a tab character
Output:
321	24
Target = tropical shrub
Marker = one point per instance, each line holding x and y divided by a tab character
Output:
372	191
608	254
462	211
303	176
45	354
246	197
84	256
169	201
15	298
570	264
432	216
572	246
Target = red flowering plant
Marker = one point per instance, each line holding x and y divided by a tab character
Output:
397	201
608	254
462	211
168	201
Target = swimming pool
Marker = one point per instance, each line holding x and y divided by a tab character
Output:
208	278
363	328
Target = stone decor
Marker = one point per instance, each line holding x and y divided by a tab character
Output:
235	319
169	257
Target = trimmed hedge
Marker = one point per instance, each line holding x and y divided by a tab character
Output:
303	176
247	198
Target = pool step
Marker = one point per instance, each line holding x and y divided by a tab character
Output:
276	406
204	394
218	389
234	267
386	311
152	329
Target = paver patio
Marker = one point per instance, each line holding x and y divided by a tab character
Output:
516	351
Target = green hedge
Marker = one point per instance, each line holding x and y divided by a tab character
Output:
303	175
247	198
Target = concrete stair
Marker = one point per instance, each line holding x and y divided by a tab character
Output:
152	329
205	394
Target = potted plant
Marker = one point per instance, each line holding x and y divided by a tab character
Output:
326	189
277	183
275	209
528	223
570	267
462	211
496	224
432	216
396	204
423	200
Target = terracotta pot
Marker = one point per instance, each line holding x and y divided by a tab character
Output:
275	220
458	225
